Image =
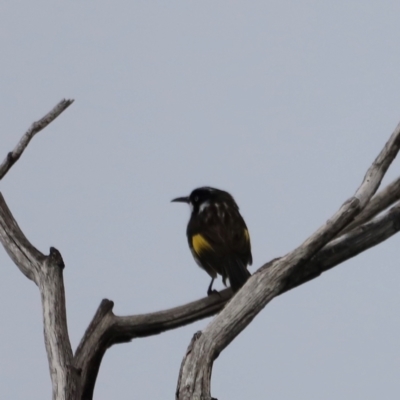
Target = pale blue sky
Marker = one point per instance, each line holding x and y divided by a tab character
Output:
284	104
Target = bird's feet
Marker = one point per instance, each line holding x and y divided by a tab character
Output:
213	291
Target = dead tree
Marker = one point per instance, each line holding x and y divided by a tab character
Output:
363	221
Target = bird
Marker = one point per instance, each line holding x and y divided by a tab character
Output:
218	236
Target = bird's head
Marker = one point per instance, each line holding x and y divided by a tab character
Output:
202	197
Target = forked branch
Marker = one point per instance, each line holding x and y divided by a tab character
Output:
382	200
263	286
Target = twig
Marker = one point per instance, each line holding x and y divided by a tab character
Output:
36	127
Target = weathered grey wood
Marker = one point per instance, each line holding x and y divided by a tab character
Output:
107	329
64	378
382	200
74	377
36	127
346	246
17	245
93	346
46	272
263	286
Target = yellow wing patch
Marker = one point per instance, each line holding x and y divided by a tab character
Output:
246	234
200	244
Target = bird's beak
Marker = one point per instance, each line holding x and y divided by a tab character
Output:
180	200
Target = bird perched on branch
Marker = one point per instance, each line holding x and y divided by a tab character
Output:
218	236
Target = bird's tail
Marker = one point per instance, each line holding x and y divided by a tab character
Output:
237	272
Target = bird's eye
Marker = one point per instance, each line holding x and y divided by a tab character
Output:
196	198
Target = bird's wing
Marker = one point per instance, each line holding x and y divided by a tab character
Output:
228	236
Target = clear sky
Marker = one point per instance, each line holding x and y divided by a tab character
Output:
284	104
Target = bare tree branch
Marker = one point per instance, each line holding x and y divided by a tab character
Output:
46	272
17	245
107	329
346	246
93	346
264	285
74	377
378	203
36	127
